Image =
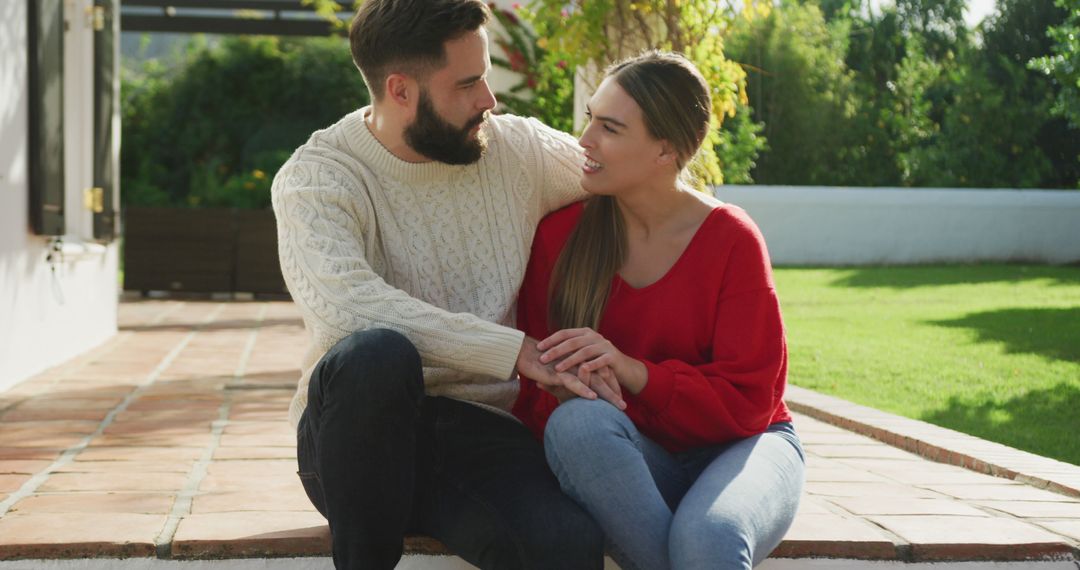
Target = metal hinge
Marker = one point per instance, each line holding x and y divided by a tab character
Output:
95	15
94	199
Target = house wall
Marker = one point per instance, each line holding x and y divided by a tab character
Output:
808	225
49	312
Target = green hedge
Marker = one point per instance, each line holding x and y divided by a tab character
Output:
213	131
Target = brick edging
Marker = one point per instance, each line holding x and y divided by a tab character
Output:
937	443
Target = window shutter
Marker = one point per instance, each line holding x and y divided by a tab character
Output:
46	136
106	135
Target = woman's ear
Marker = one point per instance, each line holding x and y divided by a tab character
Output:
667	155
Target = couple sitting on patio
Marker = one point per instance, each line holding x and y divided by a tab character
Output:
656	385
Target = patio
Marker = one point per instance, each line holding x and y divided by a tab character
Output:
170	441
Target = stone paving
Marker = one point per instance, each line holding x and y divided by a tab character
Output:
171	441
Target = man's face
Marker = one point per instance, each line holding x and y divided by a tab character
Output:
438	139
453	103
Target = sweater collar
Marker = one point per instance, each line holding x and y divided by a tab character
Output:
382	161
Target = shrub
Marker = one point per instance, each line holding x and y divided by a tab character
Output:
213	132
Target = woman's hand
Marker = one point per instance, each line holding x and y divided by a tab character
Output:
567	384
590	353
602	381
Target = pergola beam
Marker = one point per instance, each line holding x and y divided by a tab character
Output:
288	17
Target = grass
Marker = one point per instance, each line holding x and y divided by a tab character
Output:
988	350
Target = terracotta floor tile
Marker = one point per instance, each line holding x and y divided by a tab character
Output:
78	535
54	427
133	503
137	466
201	415
966	538
164	440
260	428
22	466
255	453
135	453
48	454
274	414
49	403
11	483
58	441
114	482
832	535
270	482
157	425
290	498
871	490
20	414
889	505
1003	492
259	440
251	535
169	404
252	468
1035	509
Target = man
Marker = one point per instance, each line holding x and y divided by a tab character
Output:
404	230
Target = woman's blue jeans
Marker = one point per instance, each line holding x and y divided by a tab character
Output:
720	507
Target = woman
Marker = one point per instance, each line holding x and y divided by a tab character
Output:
669	293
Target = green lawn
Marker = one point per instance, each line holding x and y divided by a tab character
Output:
989	350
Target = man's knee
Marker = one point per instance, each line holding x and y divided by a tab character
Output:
373	362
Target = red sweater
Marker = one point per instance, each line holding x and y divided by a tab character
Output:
709	332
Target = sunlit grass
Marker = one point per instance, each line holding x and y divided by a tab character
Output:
989	350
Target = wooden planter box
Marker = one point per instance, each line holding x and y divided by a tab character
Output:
201	251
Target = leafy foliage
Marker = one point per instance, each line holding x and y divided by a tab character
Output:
546	89
214	132
1064	63
589	35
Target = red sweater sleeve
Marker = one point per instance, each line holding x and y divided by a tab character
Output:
737	392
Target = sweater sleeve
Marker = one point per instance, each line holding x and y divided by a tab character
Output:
560	167
321	245
733	394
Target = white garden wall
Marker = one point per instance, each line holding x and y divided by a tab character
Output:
806	225
48	313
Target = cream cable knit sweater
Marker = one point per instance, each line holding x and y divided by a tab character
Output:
434	251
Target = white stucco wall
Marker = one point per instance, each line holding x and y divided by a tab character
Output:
850	226
48	314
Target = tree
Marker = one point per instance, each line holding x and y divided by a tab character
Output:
999	131
799	87
214	132
1064	64
590	34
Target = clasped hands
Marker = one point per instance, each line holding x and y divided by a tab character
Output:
581	363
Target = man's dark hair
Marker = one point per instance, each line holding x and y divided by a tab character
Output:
389	36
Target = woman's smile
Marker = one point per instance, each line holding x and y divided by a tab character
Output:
591	166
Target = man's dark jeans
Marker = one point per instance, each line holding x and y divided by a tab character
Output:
380	460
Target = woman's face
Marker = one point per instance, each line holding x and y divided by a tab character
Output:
620	155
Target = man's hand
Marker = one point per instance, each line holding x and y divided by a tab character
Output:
545	375
590	352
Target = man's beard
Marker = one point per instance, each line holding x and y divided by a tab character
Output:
435	138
